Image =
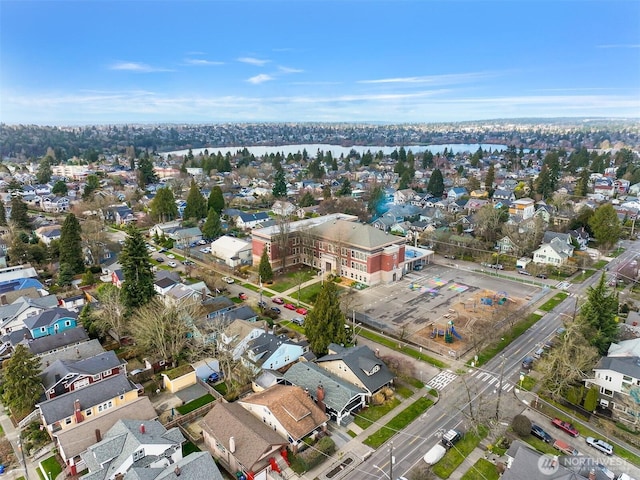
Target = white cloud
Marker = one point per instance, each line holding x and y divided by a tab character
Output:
446	79
137	67
253	61
263	77
282	69
199	62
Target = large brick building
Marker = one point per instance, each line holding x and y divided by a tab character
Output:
336	244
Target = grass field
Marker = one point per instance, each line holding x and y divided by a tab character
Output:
197	403
406	349
397	423
50	466
553	302
482	469
490	352
373	413
455	456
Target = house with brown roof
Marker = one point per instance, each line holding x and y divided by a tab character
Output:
239	441
289	411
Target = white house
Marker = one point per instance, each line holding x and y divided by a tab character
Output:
555	252
232	251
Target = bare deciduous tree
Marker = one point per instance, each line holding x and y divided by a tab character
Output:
110	315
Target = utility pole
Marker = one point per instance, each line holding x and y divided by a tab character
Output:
260	283
500	389
391	461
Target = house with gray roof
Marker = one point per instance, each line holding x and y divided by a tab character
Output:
236	336
272	352
69	339
133	444
86	349
240	442
357	365
93	400
195	466
556	252
72	442
64	376
51	321
340	397
12	316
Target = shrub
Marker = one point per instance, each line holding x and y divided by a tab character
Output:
313	457
591	399
378	398
521	425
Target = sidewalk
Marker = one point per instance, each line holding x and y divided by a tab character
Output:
13	435
354	449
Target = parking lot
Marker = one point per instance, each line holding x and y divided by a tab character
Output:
430	298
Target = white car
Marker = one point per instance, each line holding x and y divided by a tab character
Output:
434	455
172	264
599	444
171	255
228	280
205	250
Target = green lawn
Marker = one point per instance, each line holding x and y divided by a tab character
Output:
553	302
372	413
600	264
221	388
404	348
484	469
528	383
50	466
404	392
290	280
490	352
197	403
308	294
455	456
189	447
398	422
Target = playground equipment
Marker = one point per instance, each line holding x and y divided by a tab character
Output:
448	333
499	298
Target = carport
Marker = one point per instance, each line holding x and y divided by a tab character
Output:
416	256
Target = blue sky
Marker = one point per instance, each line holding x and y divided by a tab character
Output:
95	61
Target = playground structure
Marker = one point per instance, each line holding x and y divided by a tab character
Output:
449	332
499	298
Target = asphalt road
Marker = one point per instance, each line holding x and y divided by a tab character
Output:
410	445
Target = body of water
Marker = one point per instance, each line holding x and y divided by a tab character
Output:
337	150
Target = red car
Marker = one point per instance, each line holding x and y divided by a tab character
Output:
289	306
302	311
277	300
242	296
566	426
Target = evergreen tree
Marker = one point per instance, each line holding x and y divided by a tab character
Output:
544	184
137	289
376	199
3	215
264	269
163	206
307	199
582	186
71	244
212	227
19	215
65	275
325	323
88	321
427	159
279	184
345	187
599	316
605	226
196	203
60	188
146	175
91	185
488	180
436	183
216	200
22	386
43	175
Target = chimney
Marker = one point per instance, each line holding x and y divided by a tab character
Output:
142	429
98	435
232	445
177	471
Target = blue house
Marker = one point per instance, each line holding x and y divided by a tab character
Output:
50	322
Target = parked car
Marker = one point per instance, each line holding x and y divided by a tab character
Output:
276	309
497	266
450	438
524	272
188	262
159	259
215	377
277	300
289	306
202	242
527	363
452	257
541	275
600	444
565	426
298	320
538	431
302	310
228	280
418	267
172	264
434	455
565	448
243	296
205	249
162	250
171	255
262	304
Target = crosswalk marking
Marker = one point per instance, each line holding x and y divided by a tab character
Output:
441	380
491	379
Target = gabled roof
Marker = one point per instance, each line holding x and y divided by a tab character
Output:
356	234
48	317
80	350
625	365
62	407
252	437
58	340
253	217
123	439
88	366
338	392
625	348
370	370
267	344
195	466
292	407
